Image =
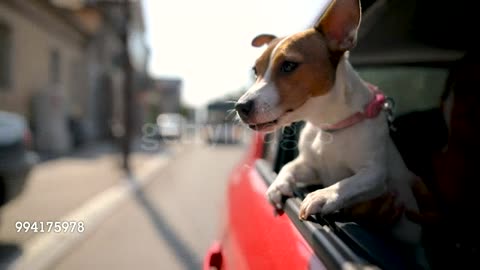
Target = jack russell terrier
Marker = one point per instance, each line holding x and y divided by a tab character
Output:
307	77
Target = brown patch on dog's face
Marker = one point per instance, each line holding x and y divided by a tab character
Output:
289	72
263	61
294	69
313	71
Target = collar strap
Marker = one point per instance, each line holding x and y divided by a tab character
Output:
372	110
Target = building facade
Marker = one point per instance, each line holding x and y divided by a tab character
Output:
62	68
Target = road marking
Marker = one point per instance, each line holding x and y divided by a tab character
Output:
42	251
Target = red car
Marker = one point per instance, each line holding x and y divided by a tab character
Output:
403	52
255	233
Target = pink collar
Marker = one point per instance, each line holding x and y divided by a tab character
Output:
372	110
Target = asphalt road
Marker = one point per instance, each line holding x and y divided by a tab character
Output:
170	223
167	221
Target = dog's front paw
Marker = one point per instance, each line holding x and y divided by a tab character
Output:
281	187
323	201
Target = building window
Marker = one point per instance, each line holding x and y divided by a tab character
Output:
5	52
55	66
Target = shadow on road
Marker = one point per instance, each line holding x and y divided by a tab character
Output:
181	250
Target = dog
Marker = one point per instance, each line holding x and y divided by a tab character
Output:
307	77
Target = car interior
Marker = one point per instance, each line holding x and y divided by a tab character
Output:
432	83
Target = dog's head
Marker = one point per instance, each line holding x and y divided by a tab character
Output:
295	68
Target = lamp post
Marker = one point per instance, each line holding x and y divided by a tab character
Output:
128	106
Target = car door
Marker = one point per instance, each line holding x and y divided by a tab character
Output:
257	236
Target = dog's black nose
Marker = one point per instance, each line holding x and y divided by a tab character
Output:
244	108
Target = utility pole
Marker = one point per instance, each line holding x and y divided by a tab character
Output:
128	95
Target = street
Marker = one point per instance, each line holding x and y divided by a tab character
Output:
163	216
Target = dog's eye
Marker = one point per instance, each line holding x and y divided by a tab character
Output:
255	71
288	66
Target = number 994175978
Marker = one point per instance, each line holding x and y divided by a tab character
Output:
50	226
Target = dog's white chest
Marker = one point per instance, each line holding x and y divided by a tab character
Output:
325	153
320	141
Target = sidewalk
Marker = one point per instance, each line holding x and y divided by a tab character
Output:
58	186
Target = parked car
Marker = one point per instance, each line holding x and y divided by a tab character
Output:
399	51
16	157
170	125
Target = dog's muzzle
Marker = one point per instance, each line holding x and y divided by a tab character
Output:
244	109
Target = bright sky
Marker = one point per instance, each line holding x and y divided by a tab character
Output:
207	43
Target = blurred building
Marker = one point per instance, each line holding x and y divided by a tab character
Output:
62	67
164	97
169	94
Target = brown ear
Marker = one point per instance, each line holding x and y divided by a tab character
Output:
262	39
340	23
